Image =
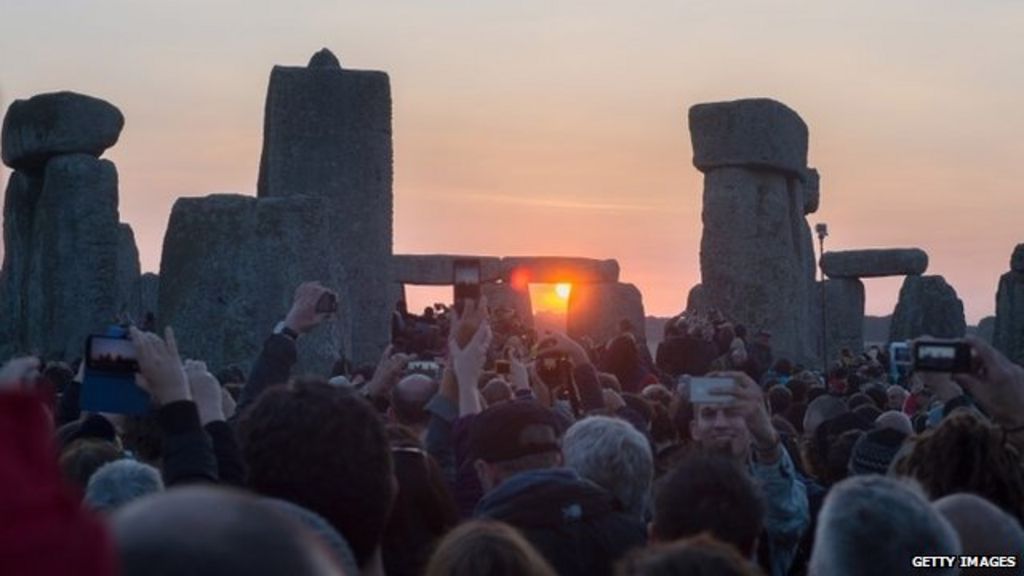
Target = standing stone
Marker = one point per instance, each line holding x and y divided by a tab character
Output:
437	269
228	272
757	255
504	295
595	311
19	204
72	286
149	297
327	134
812	191
696	301
927	306
57	123
844	299
128	272
1008	333
986	328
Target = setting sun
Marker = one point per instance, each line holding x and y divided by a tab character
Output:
563	290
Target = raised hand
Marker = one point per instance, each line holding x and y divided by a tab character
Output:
160	365
206	392
303	317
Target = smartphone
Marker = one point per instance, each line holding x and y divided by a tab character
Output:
700	390
554	369
466	281
327	304
108	382
899	352
942	356
425	367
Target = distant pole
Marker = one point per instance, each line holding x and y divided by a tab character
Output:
822	230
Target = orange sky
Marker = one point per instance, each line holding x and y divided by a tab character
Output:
536	128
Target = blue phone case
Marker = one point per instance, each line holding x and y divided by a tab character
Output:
112	392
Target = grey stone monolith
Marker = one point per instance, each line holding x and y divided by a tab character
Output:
72	289
812	191
20	198
149	297
875	263
128	272
503	295
757	256
437	269
595	310
229	270
327	134
986	328
844	298
54	124
927	306
1008	332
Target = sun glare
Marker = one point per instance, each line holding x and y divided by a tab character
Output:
563	290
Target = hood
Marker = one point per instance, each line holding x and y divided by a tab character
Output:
546	498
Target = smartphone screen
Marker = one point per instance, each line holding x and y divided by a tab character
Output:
700	391
115	355
466	280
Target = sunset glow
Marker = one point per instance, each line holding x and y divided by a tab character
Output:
563	290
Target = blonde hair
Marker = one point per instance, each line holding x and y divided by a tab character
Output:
486	547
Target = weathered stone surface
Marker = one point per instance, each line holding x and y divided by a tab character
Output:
504	295
48	125
927	306
436	269
72	287
696	302
844	319
230	267
19	204
327	134
1008	332
986	328
555	269
812	191
128	272
758	133
324	59
875	263
595	310
149	297
757	259
1017	259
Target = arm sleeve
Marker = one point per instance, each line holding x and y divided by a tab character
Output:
187	450
68	409
230	467
443	413
787	513
273	367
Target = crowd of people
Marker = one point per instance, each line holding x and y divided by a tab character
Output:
523	453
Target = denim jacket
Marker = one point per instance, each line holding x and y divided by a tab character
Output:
787	513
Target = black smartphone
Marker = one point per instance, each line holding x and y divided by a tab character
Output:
466	281
502	367
942	356
327	304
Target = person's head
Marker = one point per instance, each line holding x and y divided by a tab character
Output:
495	392
486	547
707	493
409	397
513	437
837	457
896	395
698	556
120	482
323	448
878	394
82	458
873	523
966	453
209	531
895	420
779	398
821	409
984	529
614	455
875	450
424	508
721	429
858	399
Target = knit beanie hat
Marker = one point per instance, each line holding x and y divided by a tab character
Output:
873	453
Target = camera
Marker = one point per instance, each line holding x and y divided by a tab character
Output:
700	391
942	356
327	304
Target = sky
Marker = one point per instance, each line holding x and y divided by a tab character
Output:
559	128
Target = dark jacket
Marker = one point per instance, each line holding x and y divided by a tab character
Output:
575	524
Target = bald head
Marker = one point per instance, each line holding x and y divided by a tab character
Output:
984	529
410	396
208	531
823	408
